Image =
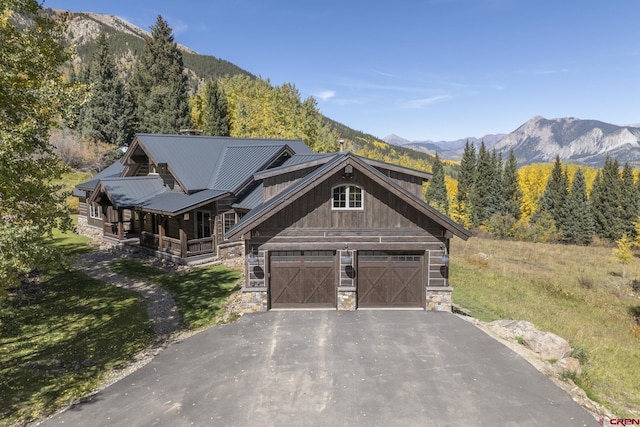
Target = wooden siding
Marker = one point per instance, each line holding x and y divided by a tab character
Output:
278	183
385	223
411	183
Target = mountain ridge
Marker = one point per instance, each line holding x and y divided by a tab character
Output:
540	140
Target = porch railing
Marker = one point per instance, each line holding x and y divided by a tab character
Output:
173	246
200	246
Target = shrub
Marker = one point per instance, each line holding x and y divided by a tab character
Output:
585	282
580	353
73	204
635	285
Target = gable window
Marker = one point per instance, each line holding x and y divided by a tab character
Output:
229	219
347	197
95	211
203	224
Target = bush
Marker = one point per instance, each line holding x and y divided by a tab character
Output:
585	282
635	285
73	204
501	226
580	353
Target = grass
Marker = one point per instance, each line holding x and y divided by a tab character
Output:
575	292
58	341
199	294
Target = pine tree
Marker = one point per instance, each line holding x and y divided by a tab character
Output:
215	110
554	198
436	192
579	225
511	192
108	116
605	201
159	85
462	211
629	202
481	196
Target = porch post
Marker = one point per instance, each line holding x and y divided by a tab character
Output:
183	240
120	225
160	219
140	222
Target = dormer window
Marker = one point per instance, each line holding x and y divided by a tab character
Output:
347	197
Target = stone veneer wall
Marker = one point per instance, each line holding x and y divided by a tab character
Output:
254	292
84	229
439	299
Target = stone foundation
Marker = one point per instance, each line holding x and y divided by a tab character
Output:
254	300
347	299
84	229
231	250
439	299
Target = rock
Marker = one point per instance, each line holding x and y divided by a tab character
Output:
510	329
548	345
568	364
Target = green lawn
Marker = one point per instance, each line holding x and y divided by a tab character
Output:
575	292
199	294
58	341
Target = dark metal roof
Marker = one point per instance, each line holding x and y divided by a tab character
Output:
177	202
113	170
239	163
132	191
196	161
251	200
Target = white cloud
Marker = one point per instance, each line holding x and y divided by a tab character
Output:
325	94
424	102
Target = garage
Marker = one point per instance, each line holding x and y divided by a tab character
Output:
390	280
303	279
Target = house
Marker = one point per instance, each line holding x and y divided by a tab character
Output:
334	231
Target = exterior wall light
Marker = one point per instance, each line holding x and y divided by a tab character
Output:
445	256
253	259
346	259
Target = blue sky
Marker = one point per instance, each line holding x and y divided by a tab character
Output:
422	69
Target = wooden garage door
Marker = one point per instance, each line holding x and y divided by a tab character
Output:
389	280
303	279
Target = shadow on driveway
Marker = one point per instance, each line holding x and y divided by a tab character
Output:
317	368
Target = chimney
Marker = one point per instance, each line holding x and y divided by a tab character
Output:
190	132
341	142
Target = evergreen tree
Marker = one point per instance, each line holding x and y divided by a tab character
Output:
511	192
32	97
466	178
215	110
481	196
605	201
436	192
108	115
579	225
629	202
554	198
159	86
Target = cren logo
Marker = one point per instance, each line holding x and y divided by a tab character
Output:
620	422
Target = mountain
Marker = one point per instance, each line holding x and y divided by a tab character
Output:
126	40
578	141
450	150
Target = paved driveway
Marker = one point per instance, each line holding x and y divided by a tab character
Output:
328	368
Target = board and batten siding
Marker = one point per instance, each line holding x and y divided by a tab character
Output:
385	223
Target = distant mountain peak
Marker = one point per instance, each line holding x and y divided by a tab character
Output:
574	140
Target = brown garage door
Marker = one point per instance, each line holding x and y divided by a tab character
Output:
303	279
389	280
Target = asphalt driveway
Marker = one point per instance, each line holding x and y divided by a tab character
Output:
329	368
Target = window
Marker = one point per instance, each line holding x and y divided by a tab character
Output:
203	224
95	211
229	219
347	197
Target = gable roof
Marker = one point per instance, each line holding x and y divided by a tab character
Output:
128	192
274	205
212	162
113	170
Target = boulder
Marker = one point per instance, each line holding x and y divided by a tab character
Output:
568	364
548	345
510	329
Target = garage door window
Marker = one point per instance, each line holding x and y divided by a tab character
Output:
347	197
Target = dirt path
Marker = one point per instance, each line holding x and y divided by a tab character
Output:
161	308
